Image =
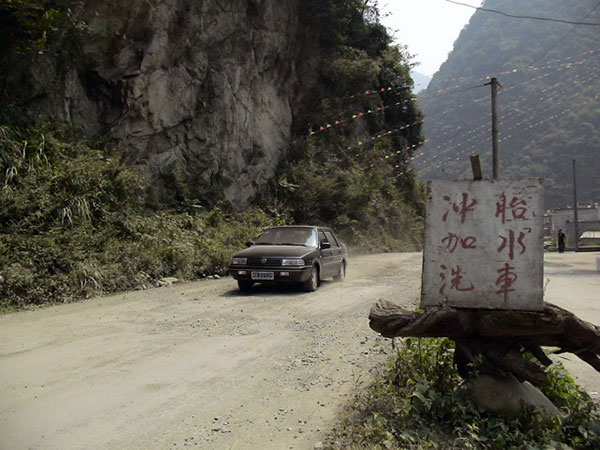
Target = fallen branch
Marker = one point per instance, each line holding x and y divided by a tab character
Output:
493	341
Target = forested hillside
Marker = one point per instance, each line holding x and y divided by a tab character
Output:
145	139
548	106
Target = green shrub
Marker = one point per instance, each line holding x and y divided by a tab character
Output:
411	404
76	222
349	167
73	224
366	205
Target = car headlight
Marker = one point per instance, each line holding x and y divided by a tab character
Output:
292	262
239	260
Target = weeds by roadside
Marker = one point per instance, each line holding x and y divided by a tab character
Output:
73	224
411	404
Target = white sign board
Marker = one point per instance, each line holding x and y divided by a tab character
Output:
484	245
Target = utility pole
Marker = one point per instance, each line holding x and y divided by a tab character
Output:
494	85
575	228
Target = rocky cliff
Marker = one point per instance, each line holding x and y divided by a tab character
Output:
201	92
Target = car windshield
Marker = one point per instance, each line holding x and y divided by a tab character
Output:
288	236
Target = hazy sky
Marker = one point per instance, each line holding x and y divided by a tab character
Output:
428	27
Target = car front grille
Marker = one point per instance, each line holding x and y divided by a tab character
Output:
264	261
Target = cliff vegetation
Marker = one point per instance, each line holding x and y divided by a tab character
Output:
86	208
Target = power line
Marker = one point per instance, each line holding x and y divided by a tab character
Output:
561	39
548	19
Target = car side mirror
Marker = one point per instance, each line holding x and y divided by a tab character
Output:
249	244
325	245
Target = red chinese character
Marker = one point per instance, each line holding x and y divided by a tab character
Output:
455	281
461	208
452	241
505	280
509	243
517	207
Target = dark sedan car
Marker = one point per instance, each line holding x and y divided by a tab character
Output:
291	254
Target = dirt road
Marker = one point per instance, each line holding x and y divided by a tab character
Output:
201	365
573	282
194	364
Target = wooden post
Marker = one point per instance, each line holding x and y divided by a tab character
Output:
575	218
494	85
476	168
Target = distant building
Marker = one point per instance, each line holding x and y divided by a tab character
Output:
590	238
588	219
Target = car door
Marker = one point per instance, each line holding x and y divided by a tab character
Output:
327	256
336	252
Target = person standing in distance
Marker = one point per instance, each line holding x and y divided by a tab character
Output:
561	241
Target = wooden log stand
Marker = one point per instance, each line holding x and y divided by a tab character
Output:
494	341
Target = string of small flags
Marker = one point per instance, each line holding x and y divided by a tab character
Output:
525	124
383	134
379	109
510	114
486	77
355	116
473	132
547	65
378	91
528	126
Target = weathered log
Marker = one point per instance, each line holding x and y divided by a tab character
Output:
493	341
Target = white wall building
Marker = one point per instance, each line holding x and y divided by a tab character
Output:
588	219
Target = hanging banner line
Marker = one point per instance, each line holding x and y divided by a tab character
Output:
457	88
383	134
481	78
456	155
378	110
541	122
506	116
485	95
474	133
547	64
551	93
527	126
510	114
378	91
554	92
471	134
453	151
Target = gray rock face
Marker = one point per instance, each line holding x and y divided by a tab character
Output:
197	89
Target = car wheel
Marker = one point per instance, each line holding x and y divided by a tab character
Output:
245	285
312	283
342	274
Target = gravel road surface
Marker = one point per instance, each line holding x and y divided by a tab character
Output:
573	282
195	364
201	365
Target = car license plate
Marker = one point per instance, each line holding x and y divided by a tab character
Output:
262	275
